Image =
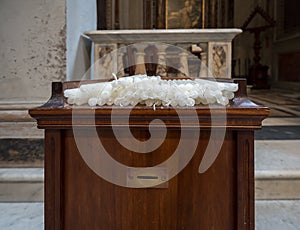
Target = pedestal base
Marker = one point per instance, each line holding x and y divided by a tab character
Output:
259	76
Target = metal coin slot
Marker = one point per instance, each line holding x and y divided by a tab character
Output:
156	177
148	177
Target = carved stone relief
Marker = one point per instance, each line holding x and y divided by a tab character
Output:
219	59
106	61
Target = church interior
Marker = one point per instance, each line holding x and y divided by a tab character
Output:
64	40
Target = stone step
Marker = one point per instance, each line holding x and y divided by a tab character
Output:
281	121
26	185
274	185
21	184
269	215
277	155
277	169
277	174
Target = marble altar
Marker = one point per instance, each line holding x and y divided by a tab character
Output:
211	46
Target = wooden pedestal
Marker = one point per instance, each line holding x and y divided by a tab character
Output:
221	198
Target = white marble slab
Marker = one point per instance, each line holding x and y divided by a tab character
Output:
277	215
21	175
22	216
277	155
162	35
281	121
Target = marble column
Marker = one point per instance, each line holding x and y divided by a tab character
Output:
140	67
203	68
121	52
184	67
161	69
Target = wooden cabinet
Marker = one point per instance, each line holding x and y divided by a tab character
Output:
220	198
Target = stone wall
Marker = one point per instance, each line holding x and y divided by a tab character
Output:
40	42
32	35
32	55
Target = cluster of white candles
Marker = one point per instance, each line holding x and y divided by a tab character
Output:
152	91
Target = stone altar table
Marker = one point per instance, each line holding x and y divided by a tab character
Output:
213	46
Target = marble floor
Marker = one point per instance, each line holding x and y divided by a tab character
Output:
22	216
270	215
282	102
277	215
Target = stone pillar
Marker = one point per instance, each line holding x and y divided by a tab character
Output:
140	67
184	67
120	53
203	68
161	68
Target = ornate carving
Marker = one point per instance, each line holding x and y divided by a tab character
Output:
219	60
